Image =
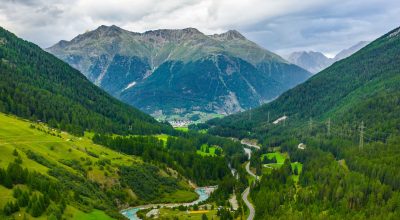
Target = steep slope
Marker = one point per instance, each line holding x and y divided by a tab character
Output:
79	177
348	52
34	84
316	61
362	87
143	68
343	126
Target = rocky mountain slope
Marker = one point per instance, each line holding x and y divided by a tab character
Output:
180	71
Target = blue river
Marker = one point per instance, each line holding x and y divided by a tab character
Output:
203	193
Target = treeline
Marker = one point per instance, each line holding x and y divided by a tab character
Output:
38	86
178	153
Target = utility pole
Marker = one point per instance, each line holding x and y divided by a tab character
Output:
362	135
329	127
310	124
268	118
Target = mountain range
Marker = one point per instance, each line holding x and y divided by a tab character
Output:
314	62
72	151
363	87
343	126
176	72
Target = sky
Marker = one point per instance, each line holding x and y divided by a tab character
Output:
282	26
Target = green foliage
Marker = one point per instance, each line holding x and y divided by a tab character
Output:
339	179
363	87
10	208
180	154
146	181
38	86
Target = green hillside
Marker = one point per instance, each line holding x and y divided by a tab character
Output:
347	118
363	87
38	86
88	175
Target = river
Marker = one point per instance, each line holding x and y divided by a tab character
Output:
203	192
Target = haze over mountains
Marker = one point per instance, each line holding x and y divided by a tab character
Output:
167	72
314	62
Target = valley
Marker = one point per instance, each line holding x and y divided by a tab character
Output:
189	118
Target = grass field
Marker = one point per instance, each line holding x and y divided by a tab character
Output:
73	213
180	196
5	195
280	157
184	129
183	215
299	169
211	149
57	147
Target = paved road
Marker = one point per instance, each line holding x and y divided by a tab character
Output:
245	142
245	196
249	171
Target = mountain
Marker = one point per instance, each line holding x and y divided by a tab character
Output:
362	87
71	151
36	85
348	52
342	127
316	61
311	61
173	72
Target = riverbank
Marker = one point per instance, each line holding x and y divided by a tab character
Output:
203	192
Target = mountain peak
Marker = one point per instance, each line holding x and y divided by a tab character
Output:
109	30
173	34
230	35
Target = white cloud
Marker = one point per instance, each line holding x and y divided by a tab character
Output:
281	26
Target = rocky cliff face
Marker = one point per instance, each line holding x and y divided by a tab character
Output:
180	70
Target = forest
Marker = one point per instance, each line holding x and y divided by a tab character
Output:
36	85
179	153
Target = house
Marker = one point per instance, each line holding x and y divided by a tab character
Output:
301	146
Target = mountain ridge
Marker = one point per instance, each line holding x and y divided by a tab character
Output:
124	62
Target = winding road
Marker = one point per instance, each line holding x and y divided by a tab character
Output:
245	196
246	192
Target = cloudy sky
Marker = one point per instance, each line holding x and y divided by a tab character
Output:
281	26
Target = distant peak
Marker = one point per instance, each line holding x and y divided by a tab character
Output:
174	34
188	30
191	30
103	28
230	35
